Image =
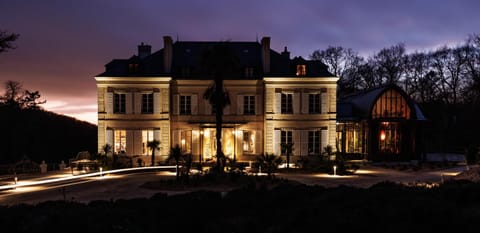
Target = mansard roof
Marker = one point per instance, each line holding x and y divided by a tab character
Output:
186	57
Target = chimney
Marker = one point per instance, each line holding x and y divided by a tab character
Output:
144	50
266	54
167	54
285	53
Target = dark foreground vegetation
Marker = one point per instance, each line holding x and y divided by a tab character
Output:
385	207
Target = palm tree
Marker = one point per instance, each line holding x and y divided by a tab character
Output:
107	148
269	163
153	146
176	154
287	148
220	62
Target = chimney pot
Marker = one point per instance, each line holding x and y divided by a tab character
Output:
144	50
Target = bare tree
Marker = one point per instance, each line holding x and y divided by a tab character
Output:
417	76
390	63
471	92
16	96
13	93
448	64
343	63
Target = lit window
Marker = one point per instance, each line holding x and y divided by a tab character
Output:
313	103
391	104
120	141
301	70
185	105
249	105
286	106
119	103
248	141
147	103
390	138
314	142
147	136
186	141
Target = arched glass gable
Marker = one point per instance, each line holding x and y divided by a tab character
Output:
391	104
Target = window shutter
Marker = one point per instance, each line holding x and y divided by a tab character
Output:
296	142
324	140
176	104
195	144
276	142
138	103
208	108
258	105
240	104
137	142
278	103
109	104
226	110
128	104
194	105
176	138
156	103
258	142
109	138
239	143
130	148
156	136
296	103
304	143
305	103
324	103
165	101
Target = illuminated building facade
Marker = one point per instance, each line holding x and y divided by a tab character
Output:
381	124
273	99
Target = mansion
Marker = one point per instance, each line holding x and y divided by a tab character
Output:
274	99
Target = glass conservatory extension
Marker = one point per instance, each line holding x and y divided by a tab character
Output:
379	125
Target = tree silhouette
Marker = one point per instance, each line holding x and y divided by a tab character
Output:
269	163
219	62
15	96
176	154
153	146
6	40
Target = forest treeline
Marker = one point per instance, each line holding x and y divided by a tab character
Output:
29	132
445	82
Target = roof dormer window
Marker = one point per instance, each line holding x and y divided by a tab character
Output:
248	72
133	67
301	70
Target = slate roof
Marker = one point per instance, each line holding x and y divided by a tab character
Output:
358	106
188	54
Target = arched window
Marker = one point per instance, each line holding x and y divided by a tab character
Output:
391	104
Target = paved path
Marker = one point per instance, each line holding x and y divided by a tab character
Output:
127	186
369	175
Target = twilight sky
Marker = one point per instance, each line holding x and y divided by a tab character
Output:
64	44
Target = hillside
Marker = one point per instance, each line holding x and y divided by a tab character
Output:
42	135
